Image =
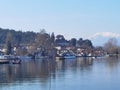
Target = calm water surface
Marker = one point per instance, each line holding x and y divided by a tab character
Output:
80	74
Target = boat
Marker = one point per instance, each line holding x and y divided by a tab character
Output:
66	56
9	59
69	56
4	59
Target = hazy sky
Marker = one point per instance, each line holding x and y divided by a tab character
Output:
72	18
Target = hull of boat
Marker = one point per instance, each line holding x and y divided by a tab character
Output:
69	57
66	57
9	59
3	61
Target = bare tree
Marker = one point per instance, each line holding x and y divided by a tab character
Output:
8	44
111	46
43	40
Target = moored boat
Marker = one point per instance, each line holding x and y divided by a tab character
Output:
4	59
9	59
69	56
66	56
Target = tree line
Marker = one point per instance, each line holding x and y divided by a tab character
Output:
42	37
46	41
18	37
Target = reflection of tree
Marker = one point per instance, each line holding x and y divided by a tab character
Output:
112	62
64	64
27	71
83	63
40	70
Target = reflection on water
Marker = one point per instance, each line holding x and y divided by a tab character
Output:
26	71
67	74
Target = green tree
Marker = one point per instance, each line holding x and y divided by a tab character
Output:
52	38
73	42
85	43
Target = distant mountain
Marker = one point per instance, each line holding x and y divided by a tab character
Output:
99	39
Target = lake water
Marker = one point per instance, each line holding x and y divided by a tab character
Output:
80	74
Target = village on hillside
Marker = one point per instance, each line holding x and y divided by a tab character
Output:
42	45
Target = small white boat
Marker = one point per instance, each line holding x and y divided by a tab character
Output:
3	59
9	59
66	55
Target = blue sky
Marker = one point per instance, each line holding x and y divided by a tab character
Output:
72	18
